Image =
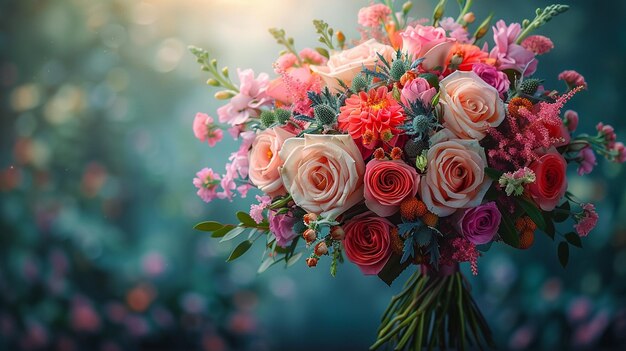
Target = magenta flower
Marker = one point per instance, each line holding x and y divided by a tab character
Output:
587	160
247	103
281	225
507	53
571	120
587	220
493	77
538	44
206	181
205	130
417	89
480	224
573	79
373	16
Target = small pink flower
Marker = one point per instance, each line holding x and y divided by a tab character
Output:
507	53
417	89
256	210
538	44
573	79
455	30
206	181
608	133
205	130
373	16
620	150
285	61
312	57
571	120
587	220
587	161
247	103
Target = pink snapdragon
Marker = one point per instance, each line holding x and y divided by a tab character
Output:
455	30
374	15
571	120
587	160
507	53
573	79
538	44
587	220
205	130
206	181
237	169
493	77
248	102
256	210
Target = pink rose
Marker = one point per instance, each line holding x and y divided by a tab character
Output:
281	225
345	65
417	89
247	103
264	161
551	183
367	242
469	105
323	173
493	77
387	183
419	39
479	224
455	177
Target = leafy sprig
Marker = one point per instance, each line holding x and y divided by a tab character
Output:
219	78
282	39
542	16
326	33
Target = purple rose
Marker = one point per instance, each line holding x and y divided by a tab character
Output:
418	89
282	227
493	77
480	224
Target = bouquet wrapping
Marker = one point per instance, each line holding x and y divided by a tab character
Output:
417	146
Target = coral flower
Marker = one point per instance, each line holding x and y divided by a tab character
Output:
464	56
375	115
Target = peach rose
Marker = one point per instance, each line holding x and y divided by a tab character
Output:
323	173
469	105
264	160
387	183
346	64
456	174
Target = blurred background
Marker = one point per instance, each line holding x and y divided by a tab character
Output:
97	250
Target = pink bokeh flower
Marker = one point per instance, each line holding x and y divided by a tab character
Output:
312	57
374	15
455	30
587	220
247	103
206	181
205	130
587	161
538	44
507	53
573	79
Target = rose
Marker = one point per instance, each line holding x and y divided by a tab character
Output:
264	161
417	89
469	105
493	77
551	183
281	225
345	65
387	183
419	39
455	177
367	242
480	224
323	173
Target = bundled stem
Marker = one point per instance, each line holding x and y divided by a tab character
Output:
434	311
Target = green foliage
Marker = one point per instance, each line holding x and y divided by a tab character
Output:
542	16
288	42
219	78
282	116
325	32
239	250
563	253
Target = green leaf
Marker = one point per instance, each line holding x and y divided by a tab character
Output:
208	226
533	212
221	232
267	263
493	173
294	259
563	252
561	213
574	239
507	231
239	250
233	234
323	52
550	230
245	219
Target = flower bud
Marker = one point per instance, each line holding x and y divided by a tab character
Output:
421	162
439	9
225	71
309	217
337	233
469	17
321	249
224	94
406	7
571	120
212	82
483	28
341	38
309	235
311	261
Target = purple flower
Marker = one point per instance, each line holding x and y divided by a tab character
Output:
282	227
493	77
479	224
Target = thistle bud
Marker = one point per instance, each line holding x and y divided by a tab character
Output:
309	235
213	82
267	118
311	261
309	218
282	116
325	114
321	249
337	233
224	94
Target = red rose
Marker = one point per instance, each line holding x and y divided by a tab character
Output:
367	242
551	183
387	183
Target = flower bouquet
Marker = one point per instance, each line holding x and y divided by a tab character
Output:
416	146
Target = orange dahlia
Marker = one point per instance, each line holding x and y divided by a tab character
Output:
370	117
